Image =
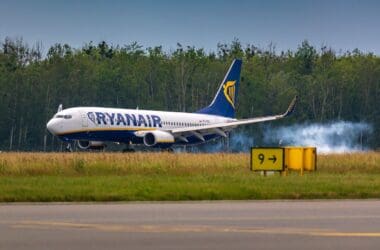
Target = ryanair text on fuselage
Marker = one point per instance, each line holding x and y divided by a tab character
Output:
139	120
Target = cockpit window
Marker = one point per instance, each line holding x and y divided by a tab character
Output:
63	116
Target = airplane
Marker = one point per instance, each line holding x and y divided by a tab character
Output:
94	127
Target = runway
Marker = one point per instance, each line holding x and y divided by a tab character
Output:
192	225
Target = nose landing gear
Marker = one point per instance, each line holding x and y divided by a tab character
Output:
69	147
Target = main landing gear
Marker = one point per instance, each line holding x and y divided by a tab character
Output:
167	150
128	148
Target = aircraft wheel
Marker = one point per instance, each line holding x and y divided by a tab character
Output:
169	150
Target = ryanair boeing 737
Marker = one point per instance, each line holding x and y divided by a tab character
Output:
92	127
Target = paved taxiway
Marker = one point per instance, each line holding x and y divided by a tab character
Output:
198	225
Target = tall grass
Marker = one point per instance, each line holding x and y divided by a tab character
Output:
72	164
166	176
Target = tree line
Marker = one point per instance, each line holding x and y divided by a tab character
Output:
331	86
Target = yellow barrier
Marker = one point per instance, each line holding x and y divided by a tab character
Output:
294	158
300	158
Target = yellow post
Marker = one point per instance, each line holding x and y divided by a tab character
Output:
284	173
310	158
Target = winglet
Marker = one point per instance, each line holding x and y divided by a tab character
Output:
291	107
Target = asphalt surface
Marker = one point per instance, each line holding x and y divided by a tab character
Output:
194	225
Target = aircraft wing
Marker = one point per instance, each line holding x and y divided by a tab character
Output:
221	128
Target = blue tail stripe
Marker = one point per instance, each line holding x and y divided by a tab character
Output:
225	99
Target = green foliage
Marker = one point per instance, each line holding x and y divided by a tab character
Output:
331	86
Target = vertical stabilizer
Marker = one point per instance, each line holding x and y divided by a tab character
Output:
225	99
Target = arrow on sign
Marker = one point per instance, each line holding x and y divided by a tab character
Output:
273	159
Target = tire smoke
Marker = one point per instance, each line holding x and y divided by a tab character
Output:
334	137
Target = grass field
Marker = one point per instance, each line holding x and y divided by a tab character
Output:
166	176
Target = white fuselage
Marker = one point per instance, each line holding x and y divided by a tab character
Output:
121	125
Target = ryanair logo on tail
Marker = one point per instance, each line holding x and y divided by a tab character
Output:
229	92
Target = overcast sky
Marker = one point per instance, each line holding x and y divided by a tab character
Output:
341	24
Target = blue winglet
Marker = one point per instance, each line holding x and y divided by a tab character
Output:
225	99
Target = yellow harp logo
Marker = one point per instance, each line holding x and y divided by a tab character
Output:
229	92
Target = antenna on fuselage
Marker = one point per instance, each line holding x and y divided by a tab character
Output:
60	107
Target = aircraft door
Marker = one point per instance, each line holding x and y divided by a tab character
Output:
84	119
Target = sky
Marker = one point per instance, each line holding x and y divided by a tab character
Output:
341	24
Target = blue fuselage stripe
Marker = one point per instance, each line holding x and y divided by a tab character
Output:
125	136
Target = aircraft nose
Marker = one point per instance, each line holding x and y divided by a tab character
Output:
51	126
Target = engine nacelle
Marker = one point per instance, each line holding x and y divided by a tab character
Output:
91	145
158	138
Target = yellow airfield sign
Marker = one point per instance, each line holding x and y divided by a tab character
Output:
267	159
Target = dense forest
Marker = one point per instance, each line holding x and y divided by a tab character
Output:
331	86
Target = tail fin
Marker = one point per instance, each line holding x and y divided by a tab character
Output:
226	97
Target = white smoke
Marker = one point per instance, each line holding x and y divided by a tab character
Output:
236	142
335	137
240	142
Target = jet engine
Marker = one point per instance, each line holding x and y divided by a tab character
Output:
158	138
91	145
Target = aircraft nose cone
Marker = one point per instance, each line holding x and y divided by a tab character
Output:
51	126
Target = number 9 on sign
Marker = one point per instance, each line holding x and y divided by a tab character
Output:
267	159
261	158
